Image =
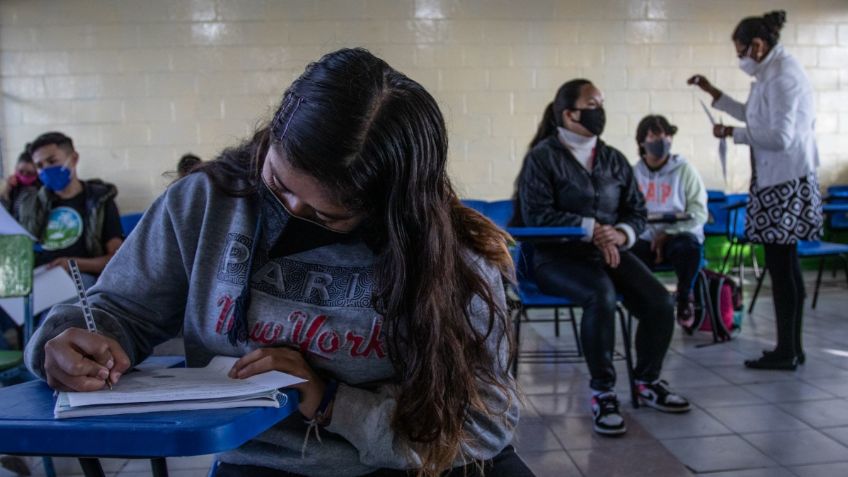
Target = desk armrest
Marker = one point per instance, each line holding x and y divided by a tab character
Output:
547	233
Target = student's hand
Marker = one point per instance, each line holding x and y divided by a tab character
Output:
78	360
720	131
607	234
11	181
611	255
658	245
288	361
60	262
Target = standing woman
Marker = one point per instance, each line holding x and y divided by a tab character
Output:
785	203
330	246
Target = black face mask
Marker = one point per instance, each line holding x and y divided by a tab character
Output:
286	234
593	120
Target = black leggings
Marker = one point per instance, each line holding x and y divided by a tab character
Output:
505	464
787	287
580	274
683	252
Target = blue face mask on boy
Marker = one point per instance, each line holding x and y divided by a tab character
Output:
55	178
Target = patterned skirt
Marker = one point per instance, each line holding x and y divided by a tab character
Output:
785	213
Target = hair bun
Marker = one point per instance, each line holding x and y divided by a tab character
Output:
775	20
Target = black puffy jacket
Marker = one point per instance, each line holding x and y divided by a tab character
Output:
553	189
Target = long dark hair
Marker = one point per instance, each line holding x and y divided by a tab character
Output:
655	123
566	98
766	27
378	140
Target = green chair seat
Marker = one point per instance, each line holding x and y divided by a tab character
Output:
10	359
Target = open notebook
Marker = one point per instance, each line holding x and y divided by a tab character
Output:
178	389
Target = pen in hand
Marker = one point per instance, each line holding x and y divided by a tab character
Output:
86	310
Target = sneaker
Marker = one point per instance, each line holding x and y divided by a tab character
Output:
686	314
658	396
607	420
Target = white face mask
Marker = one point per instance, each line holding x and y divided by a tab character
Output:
748	64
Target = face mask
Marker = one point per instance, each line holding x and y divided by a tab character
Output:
658	148
55	178
593	120
27	180
748	64
286	234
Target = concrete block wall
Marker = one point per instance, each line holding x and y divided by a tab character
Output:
137	83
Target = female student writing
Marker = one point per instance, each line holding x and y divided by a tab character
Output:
330	246
785	203
570	177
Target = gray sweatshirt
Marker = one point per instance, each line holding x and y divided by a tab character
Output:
184	266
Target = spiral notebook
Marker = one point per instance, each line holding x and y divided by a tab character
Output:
178	389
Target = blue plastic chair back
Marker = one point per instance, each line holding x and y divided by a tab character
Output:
717	219
500	212
736	218
478	205
817	248
129	221
838	194
716	195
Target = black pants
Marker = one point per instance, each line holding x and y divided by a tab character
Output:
787	287
579	273
505	464
683	252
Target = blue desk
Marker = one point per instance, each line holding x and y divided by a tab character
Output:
835	208
556	234
668	218
27	427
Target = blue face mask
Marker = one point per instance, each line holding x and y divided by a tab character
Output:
55	178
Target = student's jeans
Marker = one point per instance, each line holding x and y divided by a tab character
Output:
579	273
683	252
505	464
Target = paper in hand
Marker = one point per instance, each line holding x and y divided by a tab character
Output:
722	144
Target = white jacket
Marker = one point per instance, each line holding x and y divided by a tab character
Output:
780	117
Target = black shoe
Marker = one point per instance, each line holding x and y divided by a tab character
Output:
658	396
802	357
607	420
773	362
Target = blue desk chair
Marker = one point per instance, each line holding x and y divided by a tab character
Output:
739	242
717	215
129	221
811	249
838	194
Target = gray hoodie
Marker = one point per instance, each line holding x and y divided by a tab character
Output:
184	266
674	187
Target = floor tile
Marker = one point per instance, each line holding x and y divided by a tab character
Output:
533	435
650	460
787	391
667	426
763	472
716	396
576	433
799	447
821	470
702	377
565	405
717	453
550	464
756	418
739	374
829	413
838	433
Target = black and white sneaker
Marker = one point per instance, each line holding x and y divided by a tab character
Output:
659	396
607	420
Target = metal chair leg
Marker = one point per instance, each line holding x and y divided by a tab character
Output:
757	289
556	322
576	333
628	357
517	321
818	282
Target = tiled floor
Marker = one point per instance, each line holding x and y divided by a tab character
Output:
744	423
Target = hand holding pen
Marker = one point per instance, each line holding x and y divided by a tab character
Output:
79	360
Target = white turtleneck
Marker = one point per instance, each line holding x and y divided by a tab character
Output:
583	149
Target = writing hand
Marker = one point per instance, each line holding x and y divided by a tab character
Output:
78	360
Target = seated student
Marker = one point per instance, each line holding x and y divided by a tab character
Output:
25	178
71	218
669	185
572	178
331	246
